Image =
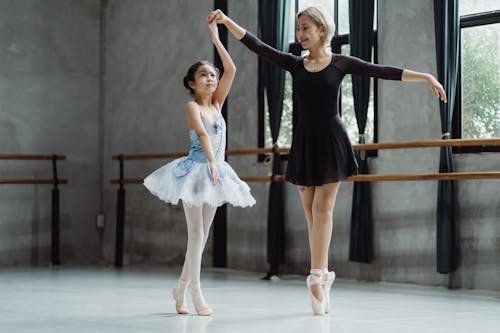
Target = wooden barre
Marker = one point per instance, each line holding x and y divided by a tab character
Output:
365	178
30	157
31	181
429	143
368	146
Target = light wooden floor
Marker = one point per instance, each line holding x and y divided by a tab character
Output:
137	299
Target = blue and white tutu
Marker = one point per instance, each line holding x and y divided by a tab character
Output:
188	178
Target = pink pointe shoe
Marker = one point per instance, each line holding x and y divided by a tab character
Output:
328	279
180	300
318	305
202	309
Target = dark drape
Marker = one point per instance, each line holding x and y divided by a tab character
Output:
447	26
273	22
361	41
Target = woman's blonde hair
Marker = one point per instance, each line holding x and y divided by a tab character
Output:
321	17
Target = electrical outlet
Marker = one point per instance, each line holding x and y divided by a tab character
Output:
100	221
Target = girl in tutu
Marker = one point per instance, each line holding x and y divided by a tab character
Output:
202	180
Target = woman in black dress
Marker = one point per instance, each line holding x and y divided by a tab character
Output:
321	155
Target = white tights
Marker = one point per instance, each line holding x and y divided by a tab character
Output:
198	219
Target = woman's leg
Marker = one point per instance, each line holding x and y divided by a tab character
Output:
322	212
322	207
307	196
318	203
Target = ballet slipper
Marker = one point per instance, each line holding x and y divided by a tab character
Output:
180	301
328	279
318	305
202	309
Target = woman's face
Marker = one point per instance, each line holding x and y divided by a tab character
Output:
308	32
205	80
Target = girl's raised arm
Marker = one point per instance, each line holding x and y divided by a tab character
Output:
227	78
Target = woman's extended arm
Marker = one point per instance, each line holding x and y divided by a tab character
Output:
434	85
353	65
282	59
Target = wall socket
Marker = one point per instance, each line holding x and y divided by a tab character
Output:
100	221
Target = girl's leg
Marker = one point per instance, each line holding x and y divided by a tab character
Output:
199	219
195	241
208	218
208	213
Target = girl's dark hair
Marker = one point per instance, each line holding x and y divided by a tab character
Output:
192	70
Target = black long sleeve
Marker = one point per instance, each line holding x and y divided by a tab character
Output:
282	59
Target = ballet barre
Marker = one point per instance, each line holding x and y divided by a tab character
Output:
55	180
120	216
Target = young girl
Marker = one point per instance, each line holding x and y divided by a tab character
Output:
202	180
321	155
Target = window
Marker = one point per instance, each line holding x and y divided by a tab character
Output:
477	107
340	44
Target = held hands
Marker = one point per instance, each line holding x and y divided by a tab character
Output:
214	31
214	173
216	17
436	88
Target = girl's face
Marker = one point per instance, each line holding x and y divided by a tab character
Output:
205	80
308	32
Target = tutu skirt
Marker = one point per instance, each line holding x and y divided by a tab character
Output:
190	181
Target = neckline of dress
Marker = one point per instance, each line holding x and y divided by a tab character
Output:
214	121
332	56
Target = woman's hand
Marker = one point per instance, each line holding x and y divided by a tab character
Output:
436	88
214	173
217	17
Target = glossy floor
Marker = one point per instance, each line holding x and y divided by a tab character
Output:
137	299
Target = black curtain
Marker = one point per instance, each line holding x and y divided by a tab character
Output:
361	40
447	27
273	22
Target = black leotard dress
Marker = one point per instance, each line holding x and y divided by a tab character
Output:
321	152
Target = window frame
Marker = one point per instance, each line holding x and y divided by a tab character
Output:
469	21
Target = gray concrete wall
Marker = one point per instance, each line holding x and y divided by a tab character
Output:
49	104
